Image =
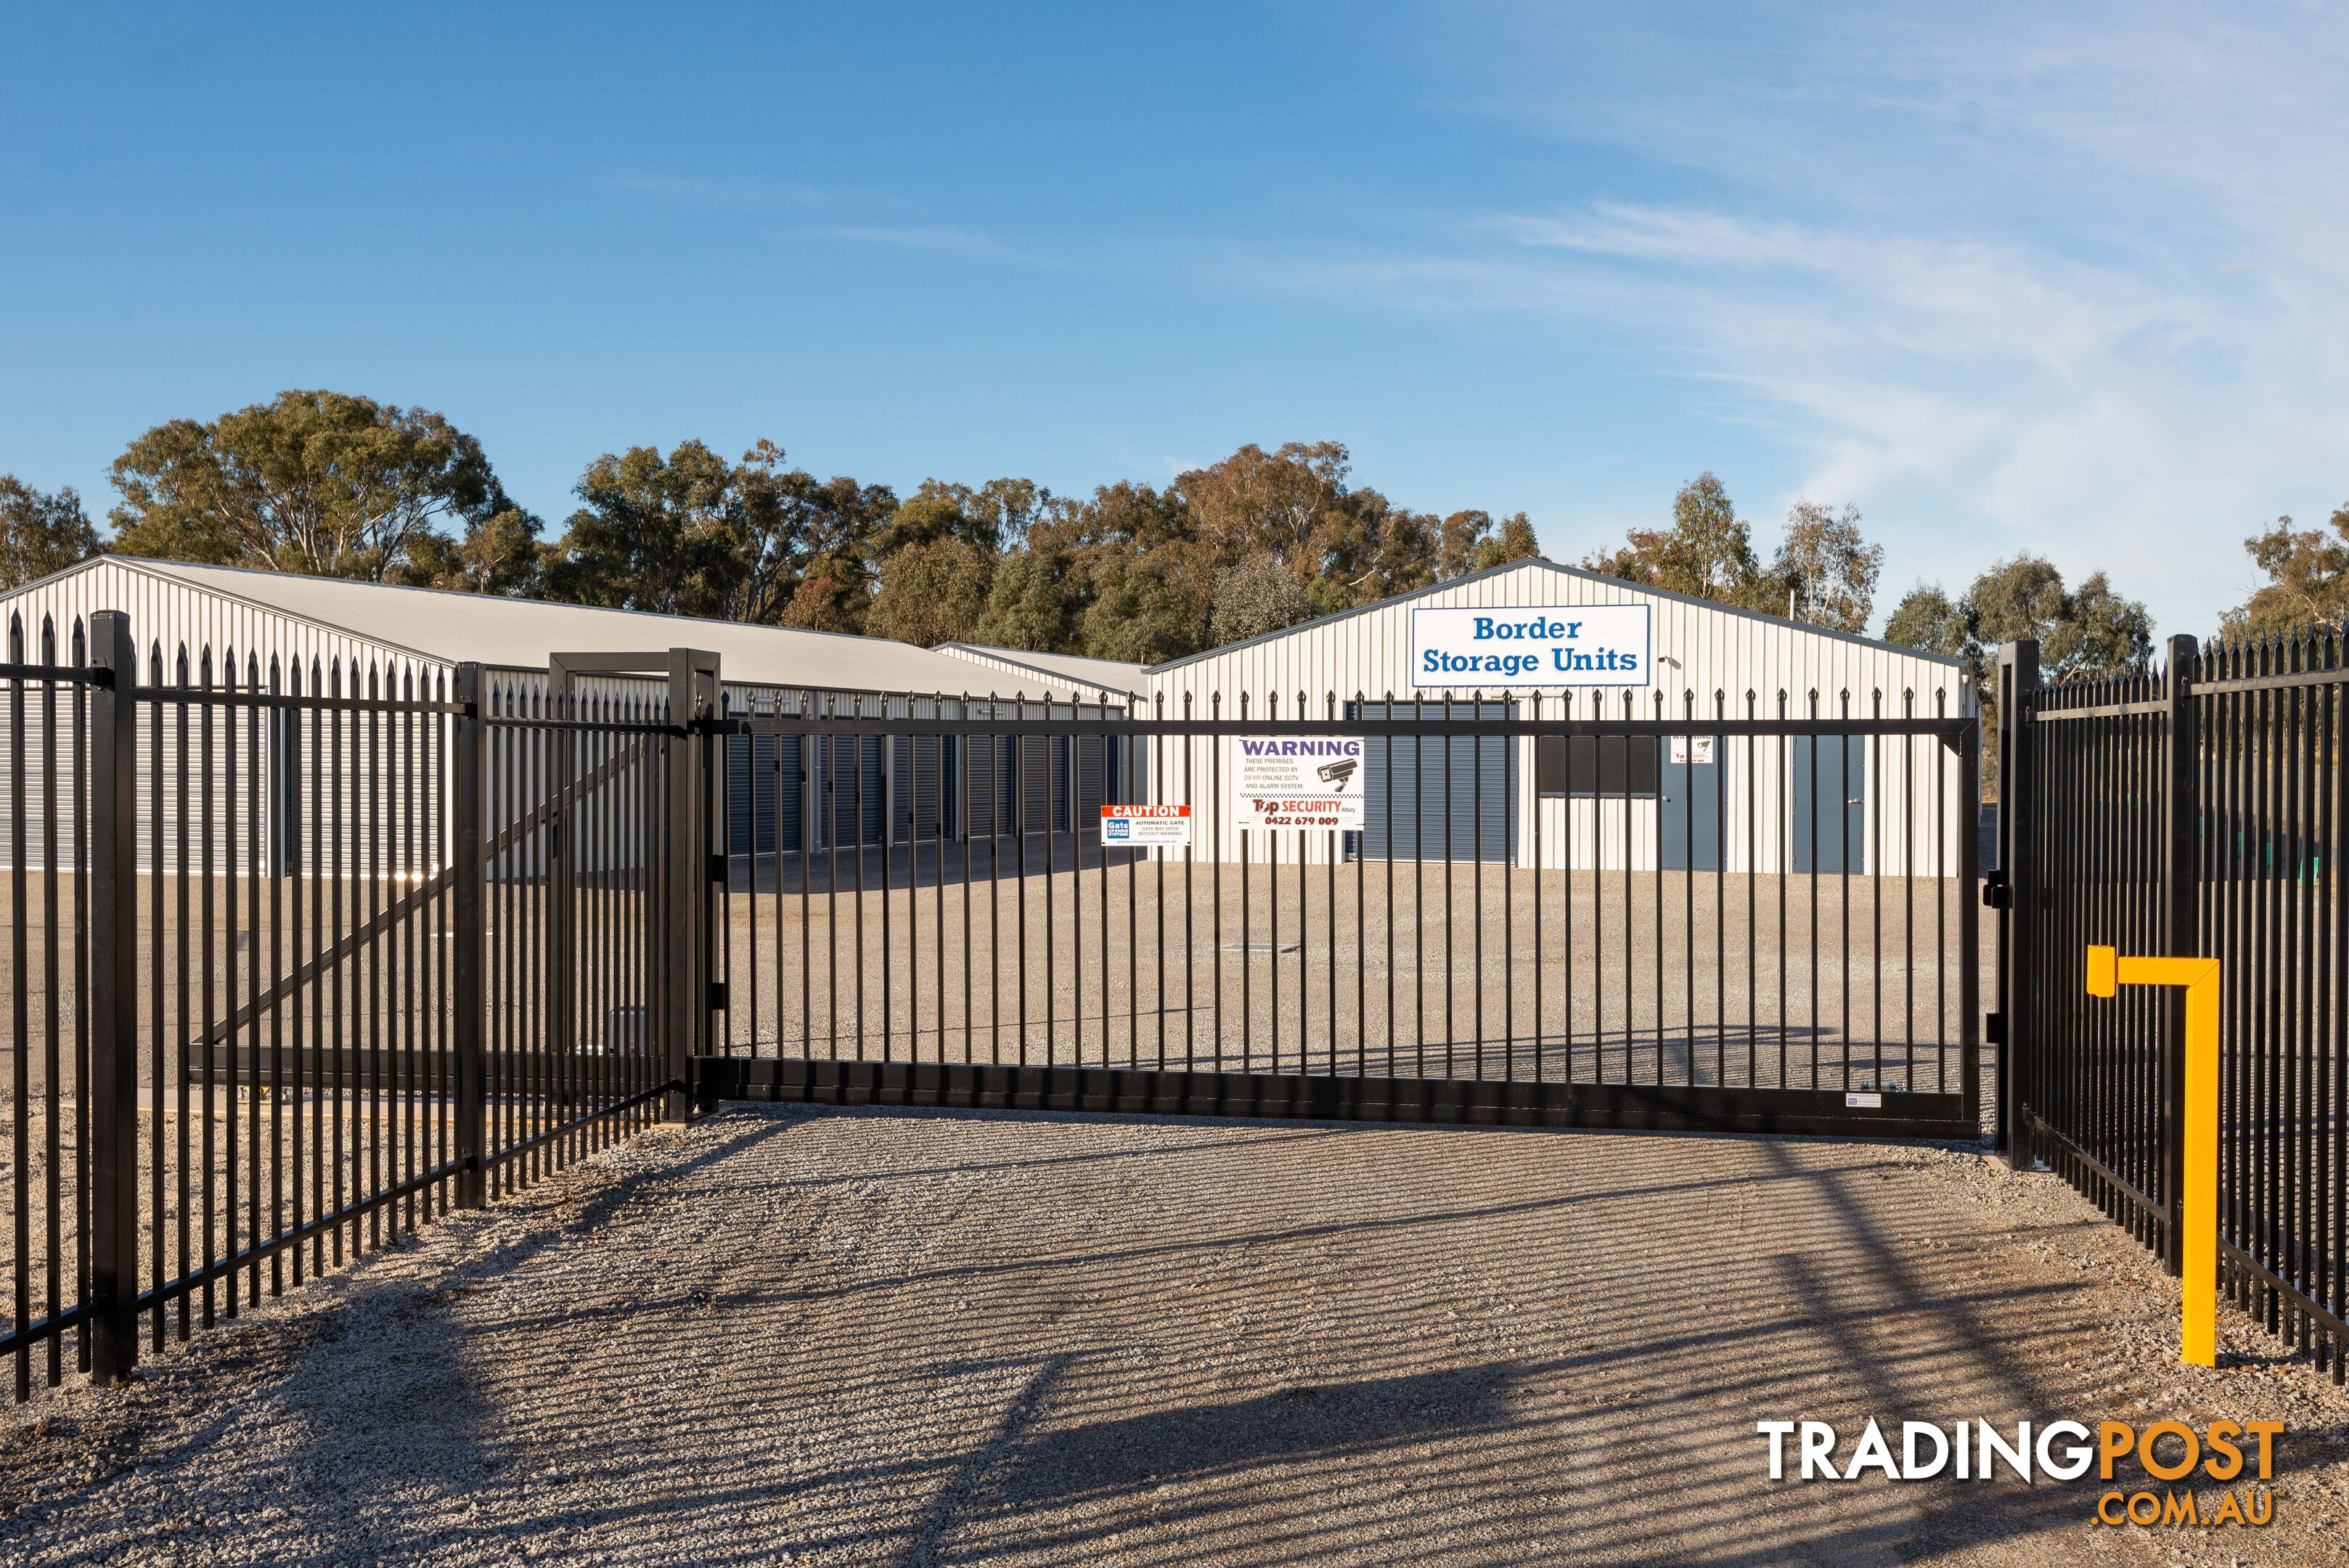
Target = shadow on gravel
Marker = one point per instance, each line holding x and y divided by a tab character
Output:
1013	1475
1306	1422
372	1397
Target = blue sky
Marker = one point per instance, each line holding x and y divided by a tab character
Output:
2064	278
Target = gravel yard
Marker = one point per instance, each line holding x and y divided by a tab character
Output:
1474	970
788	1335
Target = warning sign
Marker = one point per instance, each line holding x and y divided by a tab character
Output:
1303	782
1146	826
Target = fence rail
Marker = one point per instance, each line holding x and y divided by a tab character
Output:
2196	809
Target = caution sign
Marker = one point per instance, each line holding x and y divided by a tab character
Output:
1146	826
1278	782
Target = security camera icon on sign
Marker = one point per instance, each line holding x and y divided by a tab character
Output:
1335	774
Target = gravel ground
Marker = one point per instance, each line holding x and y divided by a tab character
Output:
789	1336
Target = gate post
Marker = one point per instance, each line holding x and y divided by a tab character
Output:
2181	934
466	998
692	697
2016	892
114	999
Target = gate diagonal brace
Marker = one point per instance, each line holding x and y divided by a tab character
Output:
2197	1133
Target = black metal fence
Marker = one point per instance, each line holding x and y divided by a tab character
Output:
304	956
1759	917
2195	810
301	957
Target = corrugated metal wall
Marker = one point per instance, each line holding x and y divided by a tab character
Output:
168	617
185	636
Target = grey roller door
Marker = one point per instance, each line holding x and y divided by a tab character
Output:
1092	779
1038	793
916	770
875	803
1439	798
791	792
750	791
991	804
850	766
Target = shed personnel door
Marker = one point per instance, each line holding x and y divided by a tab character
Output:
1690	823
1830	804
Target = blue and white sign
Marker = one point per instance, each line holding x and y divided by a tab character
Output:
1536	646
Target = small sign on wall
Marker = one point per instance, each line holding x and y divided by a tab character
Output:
1546	646
1146	826
1308	781
1692	750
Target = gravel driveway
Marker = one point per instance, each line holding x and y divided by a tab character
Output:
792	1335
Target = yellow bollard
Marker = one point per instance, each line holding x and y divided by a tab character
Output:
2198	1197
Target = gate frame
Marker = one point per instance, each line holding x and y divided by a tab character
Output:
1952	1114
690	901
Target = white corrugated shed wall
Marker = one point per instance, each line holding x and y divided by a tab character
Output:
171	620
1703	654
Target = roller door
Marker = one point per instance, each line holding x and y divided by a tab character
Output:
1455	797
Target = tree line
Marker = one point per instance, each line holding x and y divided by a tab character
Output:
332	484
335	485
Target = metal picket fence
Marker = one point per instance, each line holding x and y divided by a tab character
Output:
301	958
2198	809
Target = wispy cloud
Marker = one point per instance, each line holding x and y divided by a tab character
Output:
830	214
944	239
750	195
2026	278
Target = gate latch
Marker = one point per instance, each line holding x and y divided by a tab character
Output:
1996	894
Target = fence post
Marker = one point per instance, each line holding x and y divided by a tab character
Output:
466	995
2018	683
114	1000
2180	933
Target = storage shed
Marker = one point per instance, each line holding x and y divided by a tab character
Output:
295	633
1536	640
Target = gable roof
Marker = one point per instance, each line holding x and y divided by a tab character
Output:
452	626
1094	674
1544	563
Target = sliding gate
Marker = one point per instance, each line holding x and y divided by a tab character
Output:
1552	913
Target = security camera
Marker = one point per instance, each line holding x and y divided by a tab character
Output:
1336	773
